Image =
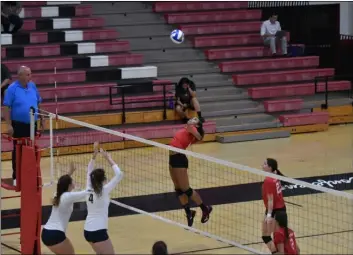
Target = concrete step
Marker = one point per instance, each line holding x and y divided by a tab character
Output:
132	19
145	30
100	8
170	55
253	136
233	111
199	79
308	104
185	68
155	43
230	104
248	126
219	91
218	98
243	119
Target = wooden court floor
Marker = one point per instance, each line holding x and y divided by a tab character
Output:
322	222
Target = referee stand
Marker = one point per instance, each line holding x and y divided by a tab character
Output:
29	184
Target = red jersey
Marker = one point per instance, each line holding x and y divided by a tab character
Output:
183	138
272	186
290	244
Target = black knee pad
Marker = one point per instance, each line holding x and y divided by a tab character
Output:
189	192
179	192
266	239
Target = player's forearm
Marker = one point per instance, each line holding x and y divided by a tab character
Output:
269	204
5	83
192	93
111	161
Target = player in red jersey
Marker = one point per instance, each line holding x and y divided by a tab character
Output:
283	238
178	166
272	197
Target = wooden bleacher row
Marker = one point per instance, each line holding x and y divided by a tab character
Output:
338	115
113	119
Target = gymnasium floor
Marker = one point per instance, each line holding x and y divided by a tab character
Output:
322	222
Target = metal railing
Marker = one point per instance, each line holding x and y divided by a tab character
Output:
326	80
121	91
269	4
346	37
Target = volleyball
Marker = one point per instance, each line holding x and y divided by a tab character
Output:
177	36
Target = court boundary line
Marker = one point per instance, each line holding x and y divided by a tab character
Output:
11	248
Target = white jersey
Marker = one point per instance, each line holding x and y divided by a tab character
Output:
97	206
60	215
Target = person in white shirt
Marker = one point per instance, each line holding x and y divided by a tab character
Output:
53	233
98	200
270	35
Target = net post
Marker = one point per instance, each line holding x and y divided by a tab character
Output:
32	124
51	144
31	200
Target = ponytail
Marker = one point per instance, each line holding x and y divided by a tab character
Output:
63	185
279	172
97	178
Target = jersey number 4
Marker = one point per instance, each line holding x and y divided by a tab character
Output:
90	198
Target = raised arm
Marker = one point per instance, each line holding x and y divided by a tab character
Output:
118	173
91	166
73	196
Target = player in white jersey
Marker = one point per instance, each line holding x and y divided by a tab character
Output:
96	225
53	234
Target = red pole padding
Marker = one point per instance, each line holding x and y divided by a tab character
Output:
31	199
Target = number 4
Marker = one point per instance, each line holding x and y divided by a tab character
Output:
90	198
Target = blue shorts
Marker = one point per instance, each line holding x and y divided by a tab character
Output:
52	237
96	236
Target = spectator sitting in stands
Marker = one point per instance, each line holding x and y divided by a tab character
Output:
159	248
5	80
185	94
271	33
10	11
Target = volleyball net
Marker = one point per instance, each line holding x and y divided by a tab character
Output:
319	210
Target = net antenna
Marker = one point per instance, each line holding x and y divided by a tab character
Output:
322	209
43	143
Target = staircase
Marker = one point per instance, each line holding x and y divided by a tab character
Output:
224	56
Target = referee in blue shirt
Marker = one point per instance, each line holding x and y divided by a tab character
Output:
20	97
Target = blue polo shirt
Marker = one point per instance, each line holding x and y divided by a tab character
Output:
21	99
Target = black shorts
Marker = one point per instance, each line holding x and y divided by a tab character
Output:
274	211
96	236
52	237
178	160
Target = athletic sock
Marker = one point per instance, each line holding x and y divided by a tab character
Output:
187	209
203	207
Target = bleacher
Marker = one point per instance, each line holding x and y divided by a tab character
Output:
113	65
228	33
86	66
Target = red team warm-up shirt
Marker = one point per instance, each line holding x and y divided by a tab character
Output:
182	139
290	244
272	186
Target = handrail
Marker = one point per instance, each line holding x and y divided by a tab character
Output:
271	4
121	91
328	78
